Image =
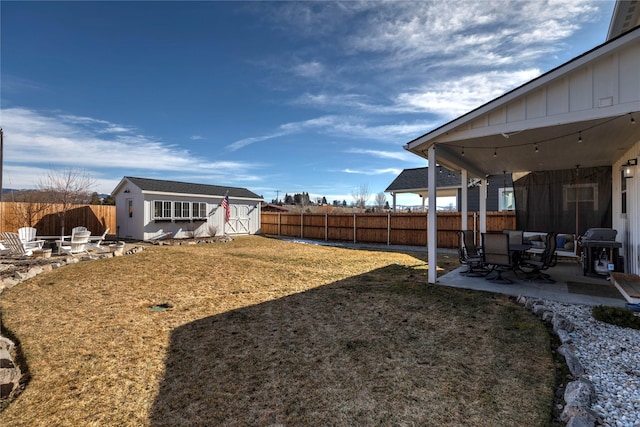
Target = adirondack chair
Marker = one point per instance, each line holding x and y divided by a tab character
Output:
77	245
96	241
28	236
12	242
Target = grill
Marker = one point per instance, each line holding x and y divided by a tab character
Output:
600	251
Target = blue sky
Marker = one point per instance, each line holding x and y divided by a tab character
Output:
316	97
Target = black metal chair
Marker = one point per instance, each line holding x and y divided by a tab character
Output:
469	254
534	268
496	256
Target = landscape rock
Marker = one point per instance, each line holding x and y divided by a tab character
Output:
574	365
580	393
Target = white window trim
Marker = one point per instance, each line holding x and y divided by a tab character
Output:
501	207
168	210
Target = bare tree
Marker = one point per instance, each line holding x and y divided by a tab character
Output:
381	200
29	207
67	188
361	196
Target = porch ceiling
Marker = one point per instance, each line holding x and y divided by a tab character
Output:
604	141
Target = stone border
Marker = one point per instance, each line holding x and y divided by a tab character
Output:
579	395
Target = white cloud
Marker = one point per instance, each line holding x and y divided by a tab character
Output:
36	142
392	171
309	69
395	155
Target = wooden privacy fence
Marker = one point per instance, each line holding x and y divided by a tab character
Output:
389	228
47	221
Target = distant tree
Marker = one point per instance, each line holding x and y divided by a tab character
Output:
288	199
94	199
335	203
360	196
109	200
386	206
344	203
66	188
324	200
380	201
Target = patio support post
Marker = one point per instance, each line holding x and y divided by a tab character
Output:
394	201
432	232
463	202
483	205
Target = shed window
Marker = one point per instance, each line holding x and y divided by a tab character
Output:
161	209
199	210
181	210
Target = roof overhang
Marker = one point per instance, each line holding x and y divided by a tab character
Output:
485	141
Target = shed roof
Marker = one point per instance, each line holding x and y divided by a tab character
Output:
177	187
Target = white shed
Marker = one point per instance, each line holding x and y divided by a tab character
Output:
152	208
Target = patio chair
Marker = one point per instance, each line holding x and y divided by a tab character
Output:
516	237
77	245
28	236
496	256
12	242
534	268
96	241
469	254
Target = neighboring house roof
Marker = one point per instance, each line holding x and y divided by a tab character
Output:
177	187
417	179
274	208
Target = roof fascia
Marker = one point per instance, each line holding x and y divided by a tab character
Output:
203	196
120	185
528	87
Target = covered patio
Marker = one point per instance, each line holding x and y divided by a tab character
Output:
570	286
579	115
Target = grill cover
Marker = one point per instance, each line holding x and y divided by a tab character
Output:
600	234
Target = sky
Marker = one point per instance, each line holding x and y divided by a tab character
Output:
277	97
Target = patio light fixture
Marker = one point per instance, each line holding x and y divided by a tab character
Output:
628	168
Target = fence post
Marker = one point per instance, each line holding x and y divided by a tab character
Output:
354	228
302	225
326	226
388	228
279	213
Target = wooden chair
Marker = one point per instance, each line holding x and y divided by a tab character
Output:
96	241
28	236
15	246
496	255
77	245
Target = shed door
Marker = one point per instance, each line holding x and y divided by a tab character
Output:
239	220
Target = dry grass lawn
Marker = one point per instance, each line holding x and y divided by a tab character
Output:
265	332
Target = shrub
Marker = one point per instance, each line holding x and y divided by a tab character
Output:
618	316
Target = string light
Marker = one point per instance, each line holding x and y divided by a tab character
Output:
495	152
462	152
579	137
633	121
536	147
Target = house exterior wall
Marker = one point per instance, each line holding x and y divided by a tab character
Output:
603	87
628	224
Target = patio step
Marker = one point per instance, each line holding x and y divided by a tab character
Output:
628	285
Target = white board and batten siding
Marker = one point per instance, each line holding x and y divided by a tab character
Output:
203	215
